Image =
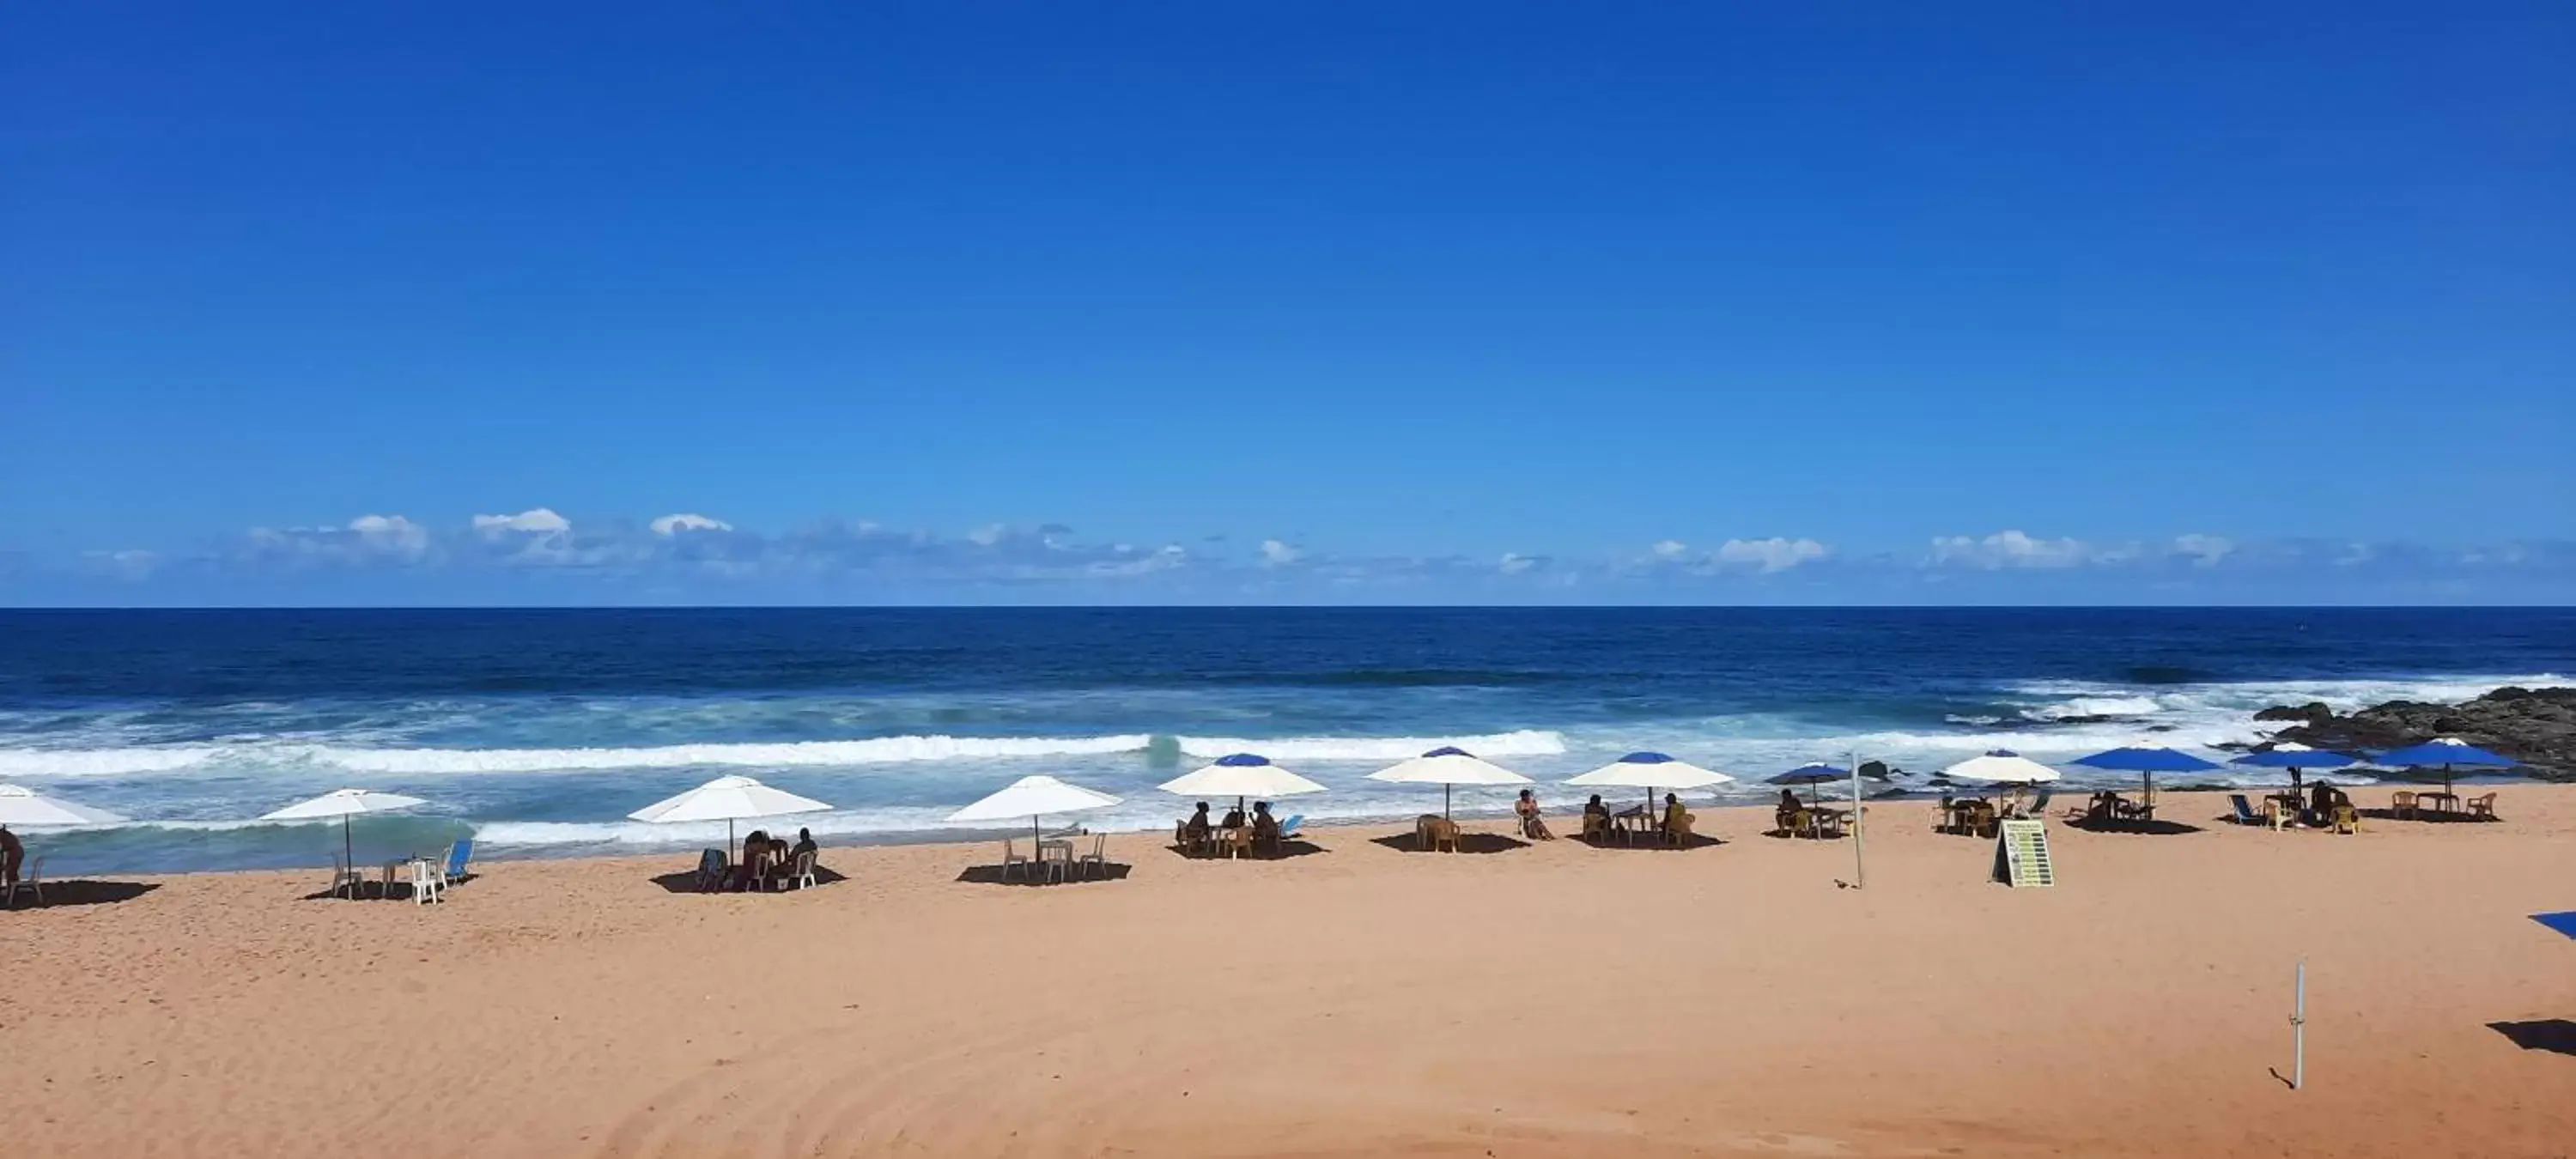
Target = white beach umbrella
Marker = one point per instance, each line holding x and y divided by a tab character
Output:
1651	771
1446	767
2001	766
343	804
726	799
20	805
1240	776
1034	798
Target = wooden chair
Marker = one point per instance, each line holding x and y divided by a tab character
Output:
2402	804
2482	808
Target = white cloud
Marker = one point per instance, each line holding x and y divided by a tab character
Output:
675	524
1769	555
2006	549
391	535
535	520
988	535
1671	549
1277	554
2203	550
1514	563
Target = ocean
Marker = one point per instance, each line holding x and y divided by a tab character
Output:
539	730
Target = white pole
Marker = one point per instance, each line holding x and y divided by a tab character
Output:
1860	865
2299	1031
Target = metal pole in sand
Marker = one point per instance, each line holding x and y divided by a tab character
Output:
2299	1030
1860	865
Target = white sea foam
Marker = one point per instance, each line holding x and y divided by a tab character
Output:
2084	706
881	750
114	762
1524	743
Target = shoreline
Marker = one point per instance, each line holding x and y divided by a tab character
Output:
1900	796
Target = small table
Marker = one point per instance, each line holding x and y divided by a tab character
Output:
1632	822
2438	801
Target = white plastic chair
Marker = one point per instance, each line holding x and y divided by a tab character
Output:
344	878
428	882
1013	858
1097	857
31	877
802	873
1056	859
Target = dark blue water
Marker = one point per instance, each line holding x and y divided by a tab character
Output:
542	728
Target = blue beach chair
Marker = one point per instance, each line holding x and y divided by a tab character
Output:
2245	814
1288	828
457	855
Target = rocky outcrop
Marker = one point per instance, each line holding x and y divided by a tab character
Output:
2533	725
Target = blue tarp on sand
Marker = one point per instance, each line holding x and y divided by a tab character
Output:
2564	923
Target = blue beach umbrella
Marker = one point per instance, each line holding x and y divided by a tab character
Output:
2146	760
2446	752
1810	775
2292	755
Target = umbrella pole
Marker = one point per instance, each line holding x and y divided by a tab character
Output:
348	852
1444	799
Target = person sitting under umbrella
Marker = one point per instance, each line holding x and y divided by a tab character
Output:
1195	831
804	845
1596	819
1527	810
12	851
1677	820
1265	826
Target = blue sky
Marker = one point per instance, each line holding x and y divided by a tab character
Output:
1449	302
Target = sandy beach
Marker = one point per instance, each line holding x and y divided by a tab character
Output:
1363	999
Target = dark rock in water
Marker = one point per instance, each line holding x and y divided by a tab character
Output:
2313	712
1876	770
2534	725
2160	728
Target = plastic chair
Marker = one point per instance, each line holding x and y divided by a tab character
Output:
2402	804
1012	858
2245	814
428	882
2345	819
31	878
344	878
2482	808
801	873
1097	857
1055	858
